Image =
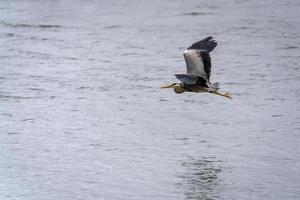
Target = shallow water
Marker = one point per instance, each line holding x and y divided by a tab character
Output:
82	115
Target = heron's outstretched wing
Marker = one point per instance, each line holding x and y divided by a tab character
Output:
197	58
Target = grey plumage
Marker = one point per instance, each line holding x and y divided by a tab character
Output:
198	64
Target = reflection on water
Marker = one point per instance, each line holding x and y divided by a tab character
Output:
201	178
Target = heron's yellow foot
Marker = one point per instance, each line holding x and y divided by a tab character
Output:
226	94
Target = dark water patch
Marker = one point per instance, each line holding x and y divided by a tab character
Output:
28	119
243	27
85	88
291	47
111	149
122	97
49	26
71	58
235	83
189	100
182	138
275	99
143	78
37	77
7	114
252	55
103	88
95	144
8	35
276	80
105	61
129	54
5	56
196	13
277	115
291	56
34	54
113	27
268	131
36	89
121	124
40	38
23	25
218	123
15	97
13	133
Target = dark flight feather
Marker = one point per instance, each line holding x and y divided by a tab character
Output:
207	63
207	44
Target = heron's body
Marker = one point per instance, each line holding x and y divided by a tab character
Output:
198	64
185	88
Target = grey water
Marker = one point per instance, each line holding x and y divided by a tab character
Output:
82	116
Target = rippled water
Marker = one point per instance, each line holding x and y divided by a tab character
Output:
82	115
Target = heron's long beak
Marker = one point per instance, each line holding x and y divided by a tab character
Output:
168	86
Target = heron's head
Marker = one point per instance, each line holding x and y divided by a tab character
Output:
177	87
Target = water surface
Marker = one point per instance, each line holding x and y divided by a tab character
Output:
82	116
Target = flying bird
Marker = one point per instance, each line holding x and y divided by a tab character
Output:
198	64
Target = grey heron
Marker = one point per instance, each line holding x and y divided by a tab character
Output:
198	64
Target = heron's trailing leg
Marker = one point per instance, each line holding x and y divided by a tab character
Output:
226	94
